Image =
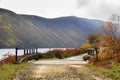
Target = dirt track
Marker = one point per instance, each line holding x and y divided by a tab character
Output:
66	69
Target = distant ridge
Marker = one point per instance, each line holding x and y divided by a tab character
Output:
26	31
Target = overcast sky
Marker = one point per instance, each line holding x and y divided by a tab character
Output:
92	9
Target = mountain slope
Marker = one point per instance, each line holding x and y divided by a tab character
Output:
26	31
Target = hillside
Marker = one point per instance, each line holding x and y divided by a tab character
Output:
26	31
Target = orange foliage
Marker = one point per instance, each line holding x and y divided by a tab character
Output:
117	58
69	50
60	53
102	55
8	58
111	40
103	64
92	60
108	57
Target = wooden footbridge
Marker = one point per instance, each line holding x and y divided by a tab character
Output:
27	53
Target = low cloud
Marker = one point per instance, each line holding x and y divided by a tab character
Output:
100	8
83	3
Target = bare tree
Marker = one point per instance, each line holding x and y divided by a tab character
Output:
112	27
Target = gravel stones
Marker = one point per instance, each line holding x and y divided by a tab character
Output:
56	72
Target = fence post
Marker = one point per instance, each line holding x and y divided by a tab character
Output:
24	51
96	54
32	50
27	51
16	53
36	50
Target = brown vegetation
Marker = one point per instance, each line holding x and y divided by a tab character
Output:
110	39
10	58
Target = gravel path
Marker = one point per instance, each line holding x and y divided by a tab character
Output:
65	69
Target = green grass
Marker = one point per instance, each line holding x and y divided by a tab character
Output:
8	70
49	58
113	73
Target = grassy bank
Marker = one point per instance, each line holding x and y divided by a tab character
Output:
8	70
112	72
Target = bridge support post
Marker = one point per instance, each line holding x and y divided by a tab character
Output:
27	51
24	51
16	54
96	54
36	50
32	51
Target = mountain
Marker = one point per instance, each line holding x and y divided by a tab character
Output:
26	31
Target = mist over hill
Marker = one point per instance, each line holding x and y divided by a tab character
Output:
27	31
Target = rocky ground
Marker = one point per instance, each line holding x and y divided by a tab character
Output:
68	69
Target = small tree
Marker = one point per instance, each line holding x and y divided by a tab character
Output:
111	34
86	44
94	39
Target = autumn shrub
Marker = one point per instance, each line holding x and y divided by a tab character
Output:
101	63
108	57
105	55
49	54
87	44
117	55
104	64
102	55
86	57
59	55
92	60
40	55
8	58
117	58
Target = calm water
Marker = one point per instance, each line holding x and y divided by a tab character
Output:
20	52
